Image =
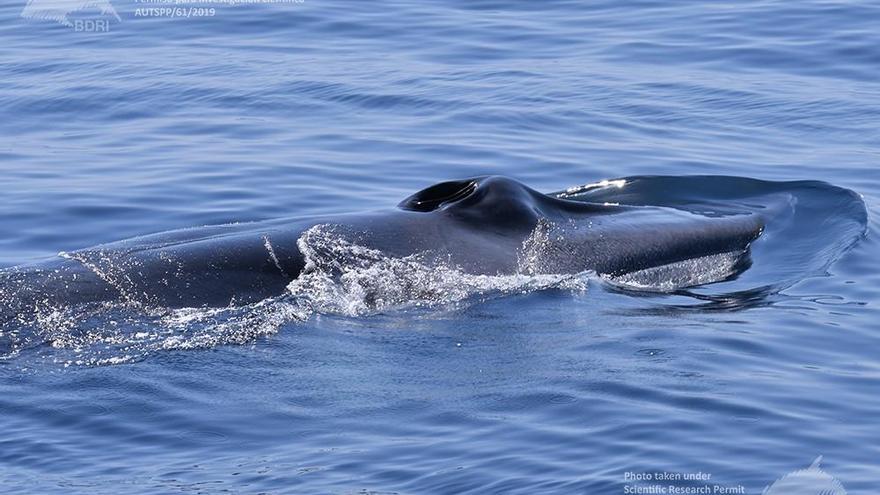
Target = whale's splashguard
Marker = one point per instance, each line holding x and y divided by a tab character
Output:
449	243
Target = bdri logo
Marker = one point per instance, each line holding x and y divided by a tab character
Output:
810	481
58	11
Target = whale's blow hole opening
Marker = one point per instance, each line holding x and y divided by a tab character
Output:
432	198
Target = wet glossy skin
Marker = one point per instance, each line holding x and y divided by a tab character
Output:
483	225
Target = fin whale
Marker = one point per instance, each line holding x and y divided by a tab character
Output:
482	225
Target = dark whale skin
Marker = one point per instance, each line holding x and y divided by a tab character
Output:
479	225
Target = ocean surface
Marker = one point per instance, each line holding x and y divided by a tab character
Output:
255	111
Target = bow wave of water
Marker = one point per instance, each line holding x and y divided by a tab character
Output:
340	277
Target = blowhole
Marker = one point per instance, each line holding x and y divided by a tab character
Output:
438	195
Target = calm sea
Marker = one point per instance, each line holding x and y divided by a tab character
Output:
177	115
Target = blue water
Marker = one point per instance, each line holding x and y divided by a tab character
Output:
265	111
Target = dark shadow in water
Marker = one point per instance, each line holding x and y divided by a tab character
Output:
808	226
